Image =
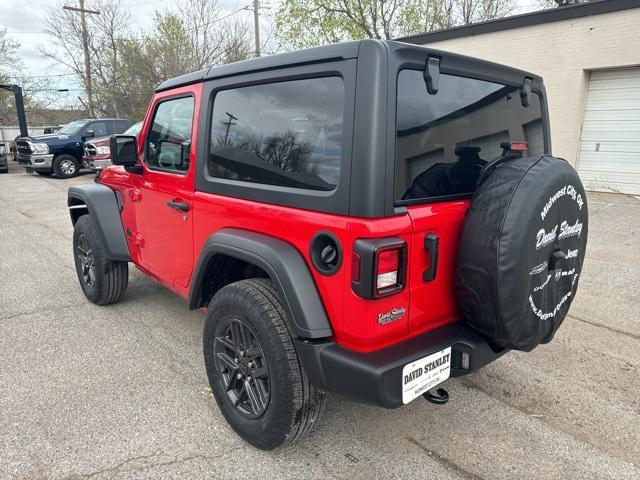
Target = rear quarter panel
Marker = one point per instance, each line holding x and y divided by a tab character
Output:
353	319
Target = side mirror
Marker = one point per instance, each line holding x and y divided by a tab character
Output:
124	150
88	134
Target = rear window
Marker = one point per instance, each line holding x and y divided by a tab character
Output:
287	133
443	140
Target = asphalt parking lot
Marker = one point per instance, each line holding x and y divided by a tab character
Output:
121	391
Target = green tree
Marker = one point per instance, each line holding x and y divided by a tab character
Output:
308	23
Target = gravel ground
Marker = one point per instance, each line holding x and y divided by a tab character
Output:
121	391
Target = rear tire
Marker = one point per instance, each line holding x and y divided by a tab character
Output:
245	326
66	166
103	281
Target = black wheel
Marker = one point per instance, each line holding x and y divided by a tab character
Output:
44	174
65	166
253	368
103	281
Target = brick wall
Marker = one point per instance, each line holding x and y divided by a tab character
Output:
563	53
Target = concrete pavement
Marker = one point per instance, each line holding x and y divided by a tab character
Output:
121	391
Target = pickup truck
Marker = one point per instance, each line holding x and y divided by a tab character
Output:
61	153
97	153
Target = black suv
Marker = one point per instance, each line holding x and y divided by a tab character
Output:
61	152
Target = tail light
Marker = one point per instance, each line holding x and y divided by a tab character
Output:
387	269
378	267
519	146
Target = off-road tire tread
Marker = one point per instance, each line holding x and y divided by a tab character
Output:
116	274
308	401
312	400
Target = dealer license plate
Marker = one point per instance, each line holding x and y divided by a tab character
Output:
425	373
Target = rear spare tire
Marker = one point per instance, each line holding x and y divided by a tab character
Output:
521	251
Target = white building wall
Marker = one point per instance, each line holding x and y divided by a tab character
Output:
563	53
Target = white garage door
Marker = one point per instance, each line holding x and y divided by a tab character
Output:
609	159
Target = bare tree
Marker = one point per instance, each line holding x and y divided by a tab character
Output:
472	11
201	34
110	28
193	35
236	41
8	47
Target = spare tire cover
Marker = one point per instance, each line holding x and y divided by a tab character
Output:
521	251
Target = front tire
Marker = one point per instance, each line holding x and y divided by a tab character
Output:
66	166
103	281
253	368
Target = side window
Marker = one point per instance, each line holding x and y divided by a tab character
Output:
169	139
119	126
286	133
99	128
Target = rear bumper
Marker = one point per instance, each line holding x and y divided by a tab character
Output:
375	378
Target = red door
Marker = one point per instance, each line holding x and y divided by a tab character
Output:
164	197
434	241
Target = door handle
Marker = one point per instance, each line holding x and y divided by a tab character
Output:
431	245
179	206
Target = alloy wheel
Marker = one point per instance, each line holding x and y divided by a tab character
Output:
67	167
87	261
242	367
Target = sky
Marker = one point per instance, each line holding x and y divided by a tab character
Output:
28	30
25	23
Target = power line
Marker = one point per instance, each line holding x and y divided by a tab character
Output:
215	20
52	75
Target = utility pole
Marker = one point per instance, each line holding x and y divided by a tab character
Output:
228	123
85	47
256	25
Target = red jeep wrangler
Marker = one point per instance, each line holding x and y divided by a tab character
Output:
368	218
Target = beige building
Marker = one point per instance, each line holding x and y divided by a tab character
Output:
589	57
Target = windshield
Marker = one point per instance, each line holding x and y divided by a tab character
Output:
72	128
443	140
133	129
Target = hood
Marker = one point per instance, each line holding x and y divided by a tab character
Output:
53	139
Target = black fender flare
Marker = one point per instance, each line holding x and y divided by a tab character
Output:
103	206
286	268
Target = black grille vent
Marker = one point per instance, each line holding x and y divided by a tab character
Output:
23	148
